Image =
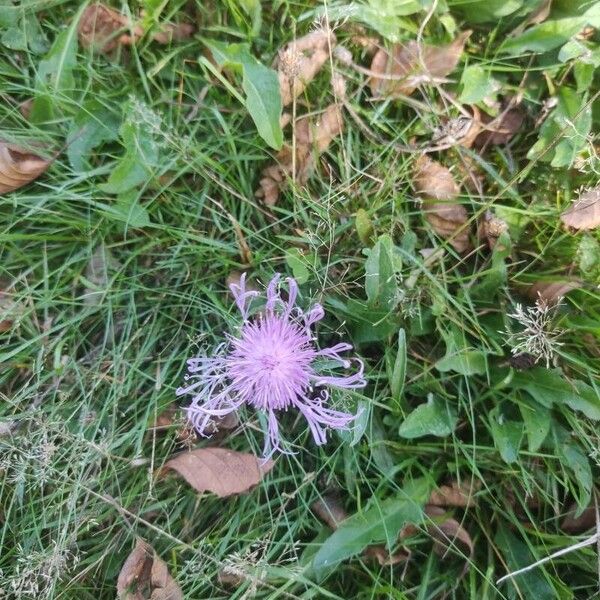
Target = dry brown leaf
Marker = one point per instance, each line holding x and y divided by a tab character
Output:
585	521
491	228
300	61
103	28
330	510
500	130
455	494
18	167
219	470
447	531
437	186
384	557
584	214
552	291
144	575
310	142
404	68
175	32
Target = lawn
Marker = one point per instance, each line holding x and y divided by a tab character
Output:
427	171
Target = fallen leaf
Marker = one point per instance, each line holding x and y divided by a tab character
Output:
584	214
101	28
578	524
437	186
552	291
300	60
310	142
500	130
145	575
18	167
456	494
330	510
219	470
402	70
174	32
384	557
446	531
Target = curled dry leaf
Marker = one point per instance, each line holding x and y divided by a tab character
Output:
384	557
145	575
330	510
584	214
456	494
578	524
447	531
437	186
552	291
500	130
219	470
18	167
299	62
104	28
310	142
404	68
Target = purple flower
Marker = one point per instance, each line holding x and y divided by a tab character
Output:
273	364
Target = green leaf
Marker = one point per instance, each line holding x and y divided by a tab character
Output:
465	362
537	420
367	324
399	370
477	83
380	274
364	227
550	386
577	462
128	210
135	166
381	522
297	263
483	11
92	125
507	436
531	584
261	86
434	417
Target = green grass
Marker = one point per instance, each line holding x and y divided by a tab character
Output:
94	356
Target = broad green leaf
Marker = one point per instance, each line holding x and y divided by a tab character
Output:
92	125
263	102
466	362
368	324
476	84
483	11
435	417
380	274
364	227
507	436
128	210
545	36
253	9
135	167
399	370
537	420
260	85
381	522
297	263
550	386
572	457
532	584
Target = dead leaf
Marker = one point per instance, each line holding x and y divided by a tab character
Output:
447	531
584	214
459	131
330	510
18	167
437	186
219	470
402	70
299	62
144	575
384	557
537	16
310	142
174	32
455	494
552	291
491	228
500	130
585	521
102	28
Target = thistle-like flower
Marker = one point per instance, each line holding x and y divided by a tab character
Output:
272	364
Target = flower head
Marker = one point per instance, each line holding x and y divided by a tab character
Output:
272	364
